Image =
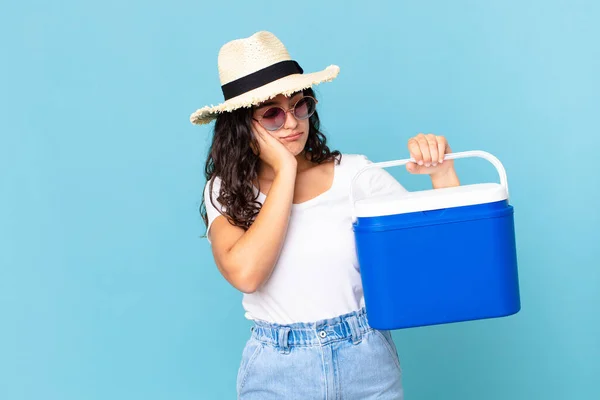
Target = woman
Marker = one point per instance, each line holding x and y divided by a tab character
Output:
279	222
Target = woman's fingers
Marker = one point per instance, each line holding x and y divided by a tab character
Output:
433	149
424	147
428	151
415	152
442	148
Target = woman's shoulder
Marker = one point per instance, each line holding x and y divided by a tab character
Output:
354	161
214	182
212	189
350	164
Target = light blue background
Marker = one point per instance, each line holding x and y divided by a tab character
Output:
107	290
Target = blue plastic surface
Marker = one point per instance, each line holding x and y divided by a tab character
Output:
440	266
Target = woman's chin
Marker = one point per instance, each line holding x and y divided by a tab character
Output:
296	148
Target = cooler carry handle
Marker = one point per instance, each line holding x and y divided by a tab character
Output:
474	153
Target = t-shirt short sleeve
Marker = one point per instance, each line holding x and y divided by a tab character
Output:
212	211
375	181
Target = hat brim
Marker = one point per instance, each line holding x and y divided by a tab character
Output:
286	86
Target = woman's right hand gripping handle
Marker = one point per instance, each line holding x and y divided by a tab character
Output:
246	258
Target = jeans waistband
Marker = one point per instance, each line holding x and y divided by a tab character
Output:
348	326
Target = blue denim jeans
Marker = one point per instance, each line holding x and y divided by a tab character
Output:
341	358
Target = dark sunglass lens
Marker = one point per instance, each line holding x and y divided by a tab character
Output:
273	118
304	108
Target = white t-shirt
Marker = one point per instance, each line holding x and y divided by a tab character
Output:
317	274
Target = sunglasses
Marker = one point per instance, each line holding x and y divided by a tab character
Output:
274	117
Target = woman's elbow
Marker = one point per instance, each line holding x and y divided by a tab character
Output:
244	280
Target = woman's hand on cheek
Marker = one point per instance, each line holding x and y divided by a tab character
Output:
272	151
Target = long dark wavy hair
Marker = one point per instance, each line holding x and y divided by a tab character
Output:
231	158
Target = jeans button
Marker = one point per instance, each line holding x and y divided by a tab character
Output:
323	334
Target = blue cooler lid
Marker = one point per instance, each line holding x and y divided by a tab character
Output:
433	199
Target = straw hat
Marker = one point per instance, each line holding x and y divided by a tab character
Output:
255	69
